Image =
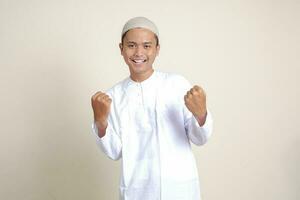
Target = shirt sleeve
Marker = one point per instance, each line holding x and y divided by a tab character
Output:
110	143
199	135
196	133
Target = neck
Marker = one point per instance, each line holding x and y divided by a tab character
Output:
141	77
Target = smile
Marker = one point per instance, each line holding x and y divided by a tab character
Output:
138	61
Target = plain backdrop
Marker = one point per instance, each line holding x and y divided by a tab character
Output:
55	54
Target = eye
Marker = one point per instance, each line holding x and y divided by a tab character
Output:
147	46
130	45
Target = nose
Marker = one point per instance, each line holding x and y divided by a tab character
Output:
139	50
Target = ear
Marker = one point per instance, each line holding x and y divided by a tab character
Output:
157	50
121	48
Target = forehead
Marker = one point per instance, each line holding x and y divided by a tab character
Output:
139	35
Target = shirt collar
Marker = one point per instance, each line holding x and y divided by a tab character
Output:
148	83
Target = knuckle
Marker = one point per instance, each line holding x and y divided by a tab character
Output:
99	98
197	88
98	93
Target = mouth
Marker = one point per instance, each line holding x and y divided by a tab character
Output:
138	61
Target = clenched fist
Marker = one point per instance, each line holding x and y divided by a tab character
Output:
195	101
101	107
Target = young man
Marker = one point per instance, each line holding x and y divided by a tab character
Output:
149	119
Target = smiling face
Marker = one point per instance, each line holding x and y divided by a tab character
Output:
139	50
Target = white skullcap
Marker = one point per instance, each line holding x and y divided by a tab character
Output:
140	22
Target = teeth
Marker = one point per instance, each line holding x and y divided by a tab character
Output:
138	61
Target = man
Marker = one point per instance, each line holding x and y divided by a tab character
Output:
149	119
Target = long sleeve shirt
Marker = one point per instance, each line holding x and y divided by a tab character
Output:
151	130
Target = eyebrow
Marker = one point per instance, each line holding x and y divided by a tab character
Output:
131	42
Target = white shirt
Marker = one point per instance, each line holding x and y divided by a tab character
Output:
150	128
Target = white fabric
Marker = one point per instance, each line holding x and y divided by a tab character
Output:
150	128
140	22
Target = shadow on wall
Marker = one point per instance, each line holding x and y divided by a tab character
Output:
293	165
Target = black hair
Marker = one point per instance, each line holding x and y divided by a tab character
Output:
156	38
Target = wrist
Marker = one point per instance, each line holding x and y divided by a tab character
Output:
201	118
101	126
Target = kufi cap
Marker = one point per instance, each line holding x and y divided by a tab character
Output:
140	22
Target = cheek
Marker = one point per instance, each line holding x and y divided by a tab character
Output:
152	55
126	55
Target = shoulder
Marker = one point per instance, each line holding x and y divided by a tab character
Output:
118	88
173	79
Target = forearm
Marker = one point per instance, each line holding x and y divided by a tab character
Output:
201	119
199	133
101	126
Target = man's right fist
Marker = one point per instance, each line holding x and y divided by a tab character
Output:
101	107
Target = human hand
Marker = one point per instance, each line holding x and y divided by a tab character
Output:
101	106
195	101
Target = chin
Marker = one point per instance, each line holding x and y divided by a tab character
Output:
140	69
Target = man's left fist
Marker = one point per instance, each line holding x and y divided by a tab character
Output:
195	101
